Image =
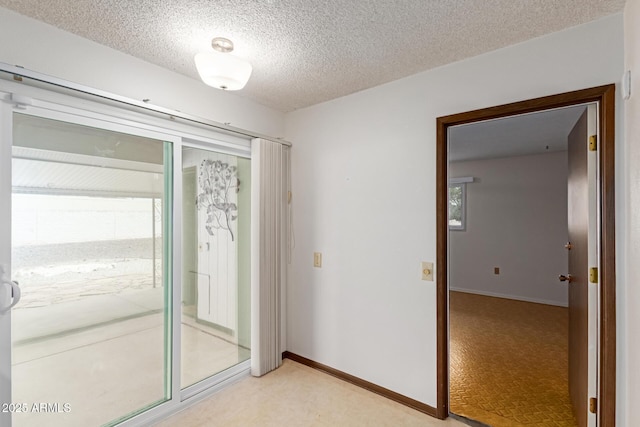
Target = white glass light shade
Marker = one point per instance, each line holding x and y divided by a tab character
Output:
223	70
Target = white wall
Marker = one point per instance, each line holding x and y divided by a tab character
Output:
364	195
629	297
516	221
43	48
45	219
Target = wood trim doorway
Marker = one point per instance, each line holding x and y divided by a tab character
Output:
605	97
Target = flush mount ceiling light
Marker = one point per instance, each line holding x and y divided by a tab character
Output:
221	69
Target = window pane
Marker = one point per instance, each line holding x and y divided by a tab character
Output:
455	206
216	256
88	210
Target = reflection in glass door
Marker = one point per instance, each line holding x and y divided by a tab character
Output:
91	252
215	263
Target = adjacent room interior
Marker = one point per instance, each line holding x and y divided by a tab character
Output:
509	317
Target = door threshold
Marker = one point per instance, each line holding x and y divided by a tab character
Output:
467	421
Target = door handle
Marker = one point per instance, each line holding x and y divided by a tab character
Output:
567	278
16	293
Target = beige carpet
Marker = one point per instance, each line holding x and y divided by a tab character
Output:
296	395
508	362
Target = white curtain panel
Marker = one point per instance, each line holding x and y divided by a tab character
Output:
270	166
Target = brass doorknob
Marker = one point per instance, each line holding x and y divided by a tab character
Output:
568	246
567	278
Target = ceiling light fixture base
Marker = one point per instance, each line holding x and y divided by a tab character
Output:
222	45
220	69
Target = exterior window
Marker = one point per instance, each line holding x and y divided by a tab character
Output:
457	208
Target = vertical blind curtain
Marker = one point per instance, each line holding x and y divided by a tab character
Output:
269	233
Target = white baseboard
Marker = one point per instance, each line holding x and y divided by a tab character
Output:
514	297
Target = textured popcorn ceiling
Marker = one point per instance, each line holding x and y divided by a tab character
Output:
307	51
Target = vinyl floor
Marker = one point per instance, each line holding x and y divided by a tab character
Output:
295	395
509	364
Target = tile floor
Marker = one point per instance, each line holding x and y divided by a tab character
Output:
509	362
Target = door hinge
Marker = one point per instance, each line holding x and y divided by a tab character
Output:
593	405
593	143
593	274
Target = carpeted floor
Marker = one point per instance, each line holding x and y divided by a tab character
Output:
509	362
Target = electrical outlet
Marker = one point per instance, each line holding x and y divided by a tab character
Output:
496	270
427	271
317	259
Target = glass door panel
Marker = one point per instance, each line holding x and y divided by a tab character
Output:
91	252
216	263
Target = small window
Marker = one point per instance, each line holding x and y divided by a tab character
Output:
457	208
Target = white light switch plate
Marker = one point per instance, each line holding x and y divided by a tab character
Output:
317	259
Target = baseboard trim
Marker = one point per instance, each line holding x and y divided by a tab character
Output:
392	395
505	296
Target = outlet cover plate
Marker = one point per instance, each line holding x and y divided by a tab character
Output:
427	271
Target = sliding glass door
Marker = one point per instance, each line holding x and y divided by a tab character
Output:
89	245
124	263
215	263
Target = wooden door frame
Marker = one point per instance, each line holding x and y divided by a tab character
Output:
605	97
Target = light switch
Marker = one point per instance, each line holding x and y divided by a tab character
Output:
317	259
427	271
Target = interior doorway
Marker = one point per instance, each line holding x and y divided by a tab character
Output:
604	97
509	314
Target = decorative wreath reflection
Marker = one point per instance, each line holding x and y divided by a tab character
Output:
217	179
